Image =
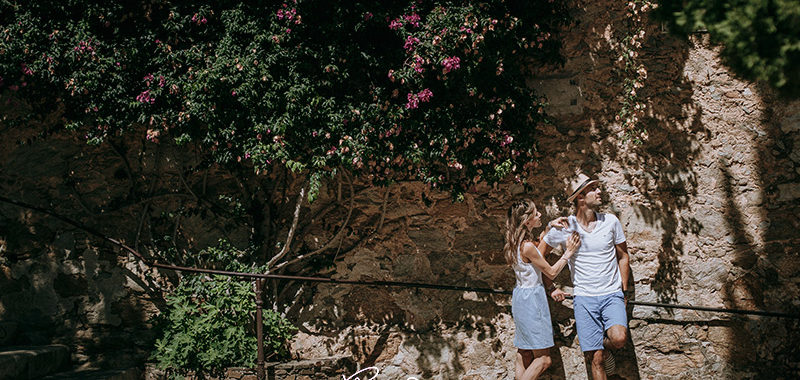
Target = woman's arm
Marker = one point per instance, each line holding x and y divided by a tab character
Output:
558	223
529	252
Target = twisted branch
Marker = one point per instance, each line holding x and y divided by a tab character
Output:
330	243
285	249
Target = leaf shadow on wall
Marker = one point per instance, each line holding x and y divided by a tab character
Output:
763	239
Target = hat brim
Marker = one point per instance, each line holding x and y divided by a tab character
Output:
580	189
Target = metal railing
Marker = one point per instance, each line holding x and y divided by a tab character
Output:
259	278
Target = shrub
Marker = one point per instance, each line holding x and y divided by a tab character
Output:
209	322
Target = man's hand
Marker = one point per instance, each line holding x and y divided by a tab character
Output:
558	295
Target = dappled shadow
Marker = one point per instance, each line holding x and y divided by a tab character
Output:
762	220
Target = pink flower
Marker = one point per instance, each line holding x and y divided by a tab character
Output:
161	81
288	30
145	97
506	140
152	135
395	24
451	63
280	14
418	61
425	95
412	19
410	41
367	16
233	93
413	101
26	70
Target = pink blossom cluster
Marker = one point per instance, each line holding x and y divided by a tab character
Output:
410	41
367	16
145	97
84	46
506	140
149	78
26	70
418	61
420	97
395	24
199	20
288	14
451	63
412	19
152	135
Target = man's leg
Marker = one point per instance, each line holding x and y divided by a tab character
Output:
589	326
616	337
596	359
615	320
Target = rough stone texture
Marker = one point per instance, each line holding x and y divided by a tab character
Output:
332	368
709	202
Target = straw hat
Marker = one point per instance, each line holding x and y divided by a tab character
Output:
578	184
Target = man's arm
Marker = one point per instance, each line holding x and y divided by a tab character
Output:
623	259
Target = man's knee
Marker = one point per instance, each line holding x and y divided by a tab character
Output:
617	336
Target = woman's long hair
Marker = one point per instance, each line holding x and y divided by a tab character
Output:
516	232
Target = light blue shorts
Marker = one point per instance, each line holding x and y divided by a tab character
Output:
595	315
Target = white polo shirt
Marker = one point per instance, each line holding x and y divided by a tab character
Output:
594	268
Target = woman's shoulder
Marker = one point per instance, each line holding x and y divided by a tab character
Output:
529	244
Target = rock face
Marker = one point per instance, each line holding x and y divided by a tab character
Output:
709	200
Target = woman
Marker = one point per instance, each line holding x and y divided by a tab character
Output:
534	331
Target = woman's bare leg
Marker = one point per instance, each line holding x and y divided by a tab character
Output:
541	361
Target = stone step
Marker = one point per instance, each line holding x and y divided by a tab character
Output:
24	363
97	374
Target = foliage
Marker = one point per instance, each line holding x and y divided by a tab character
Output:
761	38
208	324
632	71
428	90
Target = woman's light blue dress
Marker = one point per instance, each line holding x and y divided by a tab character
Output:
529	307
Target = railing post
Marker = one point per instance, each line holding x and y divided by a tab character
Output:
260	373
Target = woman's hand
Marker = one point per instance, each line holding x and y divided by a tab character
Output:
559	223
558	295
573	244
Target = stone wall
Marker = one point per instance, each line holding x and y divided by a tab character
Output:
709	202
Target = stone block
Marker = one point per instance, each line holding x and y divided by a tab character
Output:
32	362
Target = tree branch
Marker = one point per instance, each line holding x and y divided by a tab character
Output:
330	243
285	249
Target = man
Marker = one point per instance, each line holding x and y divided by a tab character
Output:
599	270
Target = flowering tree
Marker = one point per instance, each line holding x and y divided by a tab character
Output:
433	91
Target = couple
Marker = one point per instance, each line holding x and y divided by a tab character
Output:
597	254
